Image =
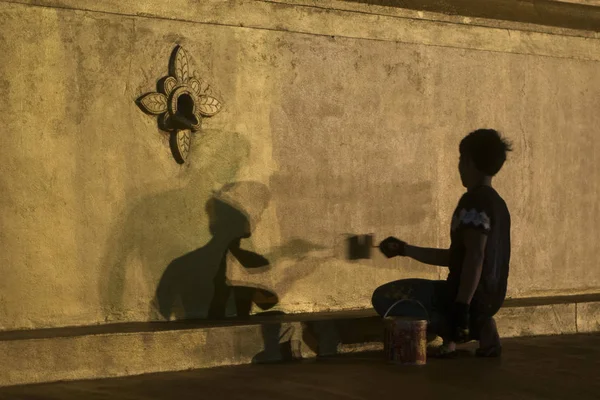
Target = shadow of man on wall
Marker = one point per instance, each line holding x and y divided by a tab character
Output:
196	283
162	221
186	290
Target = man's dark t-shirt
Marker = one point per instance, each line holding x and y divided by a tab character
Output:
483	209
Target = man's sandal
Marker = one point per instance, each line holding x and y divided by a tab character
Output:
442	352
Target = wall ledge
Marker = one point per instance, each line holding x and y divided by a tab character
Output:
138	348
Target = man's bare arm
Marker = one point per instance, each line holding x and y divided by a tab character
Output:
438	257
472	265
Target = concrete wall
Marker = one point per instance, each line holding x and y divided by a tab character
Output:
345	117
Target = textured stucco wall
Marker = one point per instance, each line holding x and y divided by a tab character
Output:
350	123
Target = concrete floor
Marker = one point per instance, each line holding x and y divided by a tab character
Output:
558	367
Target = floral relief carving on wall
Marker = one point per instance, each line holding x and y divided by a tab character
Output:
181	103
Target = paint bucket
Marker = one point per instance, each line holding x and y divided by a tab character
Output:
405	338
359	246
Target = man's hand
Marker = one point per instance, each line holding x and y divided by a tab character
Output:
392	247
459	322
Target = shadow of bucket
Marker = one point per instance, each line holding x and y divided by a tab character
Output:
405	338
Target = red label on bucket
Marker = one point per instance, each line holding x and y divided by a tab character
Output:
405	341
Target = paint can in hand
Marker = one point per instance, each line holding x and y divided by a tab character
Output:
405	339
359	246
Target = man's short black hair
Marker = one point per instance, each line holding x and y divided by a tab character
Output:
487	149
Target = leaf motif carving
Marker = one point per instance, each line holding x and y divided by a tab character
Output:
182	71
154	103
208	106
169	85
200	87
195	84
182	145
163	103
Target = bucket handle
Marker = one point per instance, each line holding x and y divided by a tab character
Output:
400	301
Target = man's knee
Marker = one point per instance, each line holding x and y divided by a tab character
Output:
409	289
378	300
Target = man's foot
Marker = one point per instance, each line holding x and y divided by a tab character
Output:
489	341
446	350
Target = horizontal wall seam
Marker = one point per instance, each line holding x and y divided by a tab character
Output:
213	23
544	29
